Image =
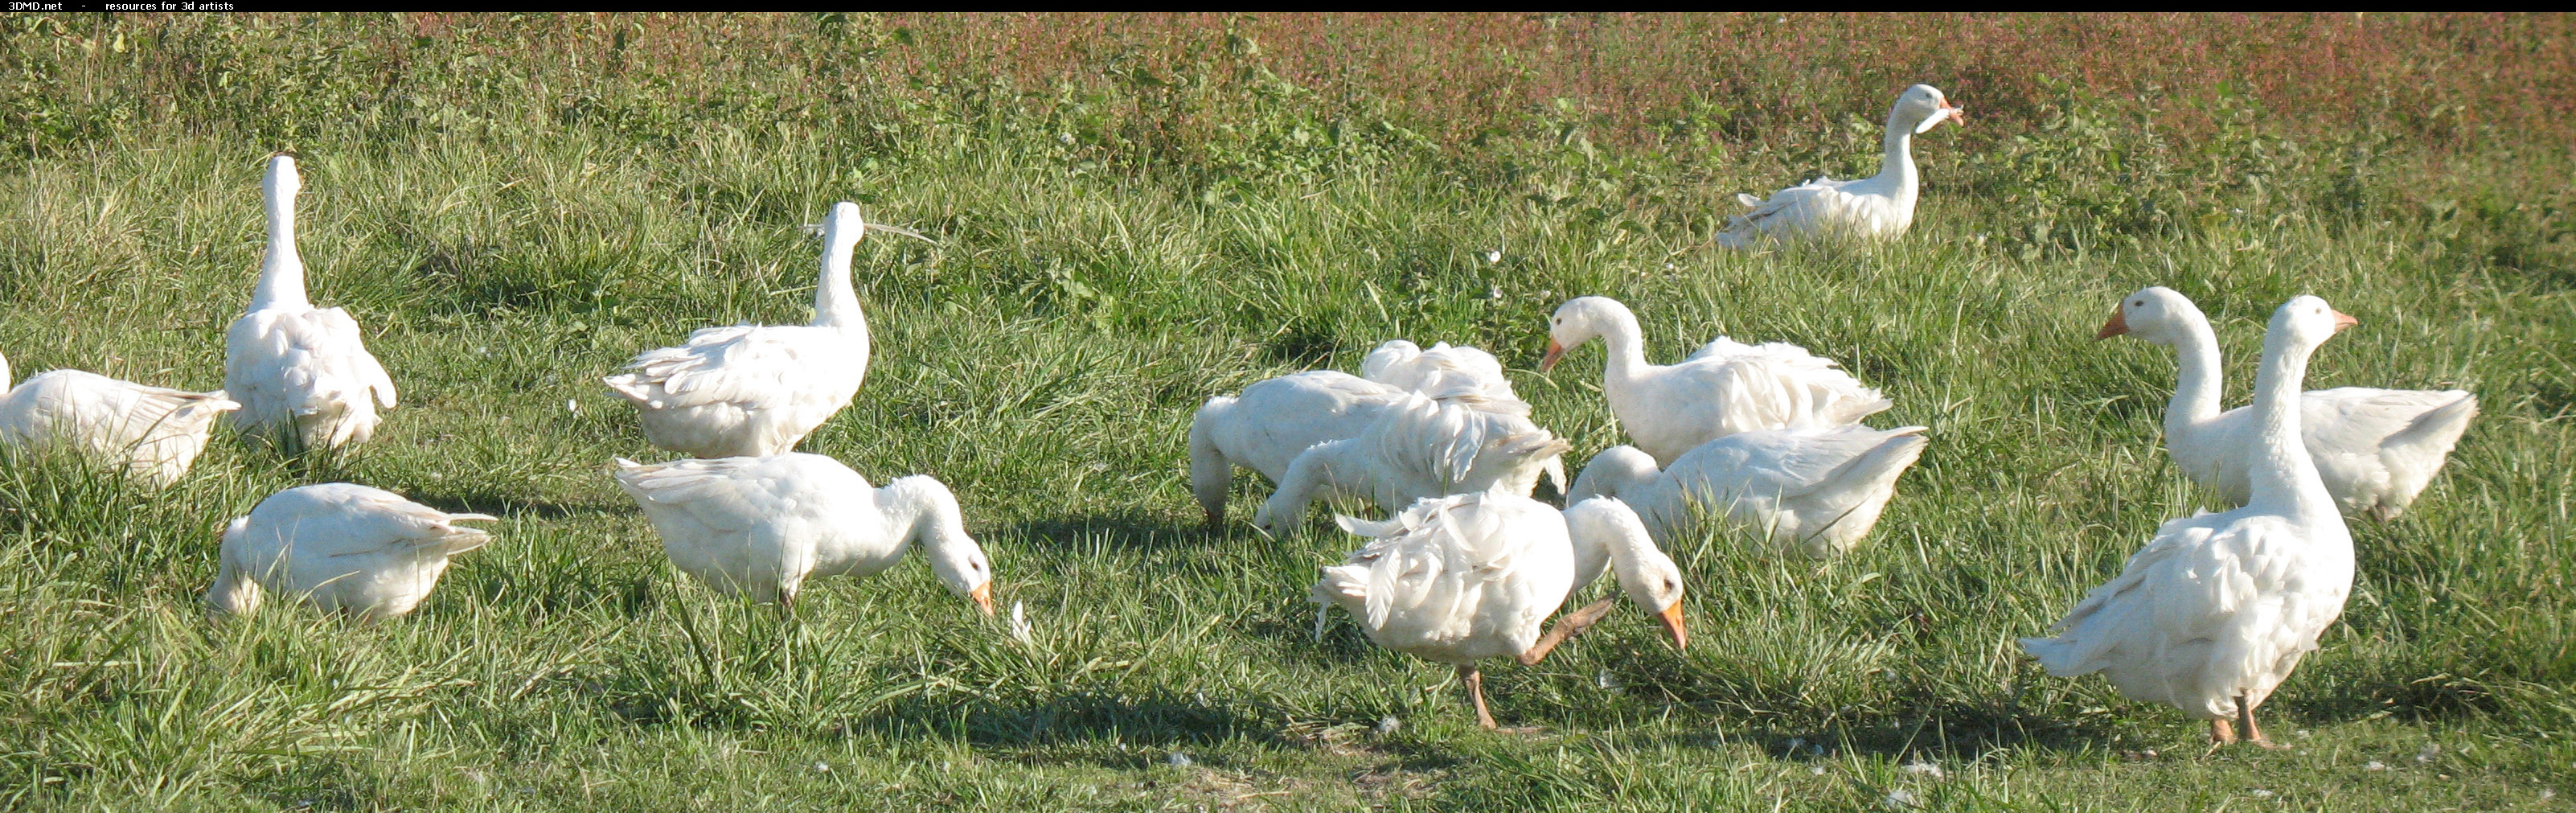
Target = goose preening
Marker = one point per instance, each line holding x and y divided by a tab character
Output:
1879	207
2218	608
2375	449
1466	577
755	390
1725	388
302	374
1816	491
341	547
150	433
1416	448
761	526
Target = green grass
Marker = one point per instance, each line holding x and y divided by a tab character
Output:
1043	360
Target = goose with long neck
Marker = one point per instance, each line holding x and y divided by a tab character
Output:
303	375
2375	449
1725	388
1879	207
151	434
753	390
2217	609
761	526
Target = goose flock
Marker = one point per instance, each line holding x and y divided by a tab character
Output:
1467	566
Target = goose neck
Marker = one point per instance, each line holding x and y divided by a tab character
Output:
281	270
1625	344
836	302
1896	163
2198	386
2282	476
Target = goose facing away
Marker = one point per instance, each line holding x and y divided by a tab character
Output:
2217	609
152	434
1468	577
341	547
302	374
1725	388
1879	207
1816	491
1417	448
761	526
2375	449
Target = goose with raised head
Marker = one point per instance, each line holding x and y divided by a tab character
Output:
2217	609
302	374
1468	577
1879	207
2375	449
152	434
1418	447
1725	388
341	547
761	526
1815	491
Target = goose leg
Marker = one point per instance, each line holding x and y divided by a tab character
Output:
2221	732
1476	691
2253	734
1566	628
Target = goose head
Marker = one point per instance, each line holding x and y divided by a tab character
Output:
1650	578
1922	107
282	181
1583	319
939	529
2307	321
2155	315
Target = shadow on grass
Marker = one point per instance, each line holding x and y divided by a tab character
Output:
1120	532
500	504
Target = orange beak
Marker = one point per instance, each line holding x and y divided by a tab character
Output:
2119	325
1957	116
1555	353
1672	617
2344	320
983	596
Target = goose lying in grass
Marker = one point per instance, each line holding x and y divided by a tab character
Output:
150	433
2375	449
761	526
302	374
1725	388
1816	491
753	390
1467	577
344	548
1417	448
1879	207
2217	609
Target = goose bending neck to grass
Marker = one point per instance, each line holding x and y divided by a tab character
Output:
1815	491
2375	449
341	547
761	526
2217	609
1879	207
1725	388
302	374
151	434
1418	447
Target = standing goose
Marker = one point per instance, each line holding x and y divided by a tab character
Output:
1817	491
1725	388
760	526
755	390
302	374
1879	207
2375	449
150	433
2218	608
341	547
1467	577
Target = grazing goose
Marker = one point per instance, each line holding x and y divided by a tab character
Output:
1725	388
1462	578
2375	449
1817	491
341	547
1417	448
2218	608
760	526
1879	207
151	433
755	390
302	374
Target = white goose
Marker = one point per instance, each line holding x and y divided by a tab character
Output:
151	433
2376	449
1879	207
344	548
1817	491
1463	578
2218	608
1725	388
761	526
302	374
1417	448
1458	373
753	390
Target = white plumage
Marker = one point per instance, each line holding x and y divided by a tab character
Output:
1725	388
761	526
302	374
342	547
2375	449
1879	207
1450	373
149	433
1816	491
1417	447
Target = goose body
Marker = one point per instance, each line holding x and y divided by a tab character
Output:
1725	388
1816	491
762	526
1416	448
1879	207
341	547
302	374
2375	449
2217	609
150	433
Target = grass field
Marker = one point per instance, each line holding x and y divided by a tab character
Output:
1137	213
